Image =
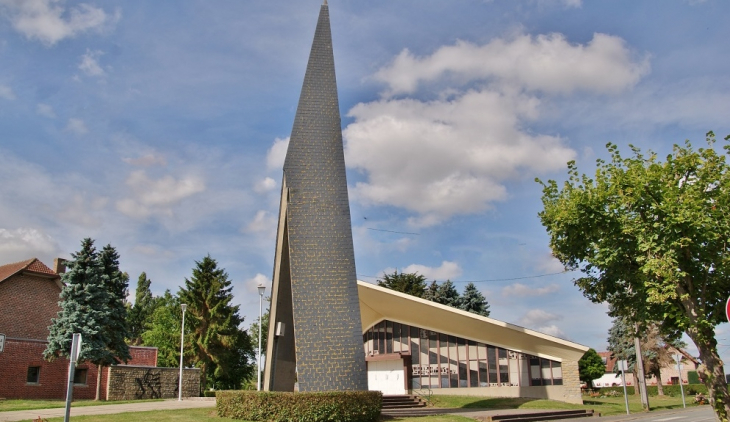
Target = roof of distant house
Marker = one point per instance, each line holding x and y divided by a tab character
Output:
33	265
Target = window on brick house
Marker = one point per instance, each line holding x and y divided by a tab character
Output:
34	374
80	375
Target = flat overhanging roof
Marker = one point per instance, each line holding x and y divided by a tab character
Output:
379	303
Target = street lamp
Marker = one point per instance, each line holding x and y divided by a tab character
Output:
262	289
182	338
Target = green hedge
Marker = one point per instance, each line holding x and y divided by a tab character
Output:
669	390
336	406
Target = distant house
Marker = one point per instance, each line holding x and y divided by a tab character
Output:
669	373
29	298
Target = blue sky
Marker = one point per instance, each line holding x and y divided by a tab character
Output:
160	127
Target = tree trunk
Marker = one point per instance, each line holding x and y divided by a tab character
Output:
203	377
98	381
712	374
637	392
659	387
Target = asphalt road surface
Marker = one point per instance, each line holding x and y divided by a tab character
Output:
696	414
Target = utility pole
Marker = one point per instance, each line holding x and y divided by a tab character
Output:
640	381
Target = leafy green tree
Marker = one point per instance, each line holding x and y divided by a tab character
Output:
254	334
90	306
410	283
221	349
162	330
140	313
590	367
448	295
651	240
472	300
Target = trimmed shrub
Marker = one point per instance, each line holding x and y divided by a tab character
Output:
333	406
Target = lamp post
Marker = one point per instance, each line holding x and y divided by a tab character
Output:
262	289
182	339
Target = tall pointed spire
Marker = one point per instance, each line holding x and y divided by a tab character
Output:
315	329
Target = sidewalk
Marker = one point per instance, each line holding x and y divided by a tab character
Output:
24	415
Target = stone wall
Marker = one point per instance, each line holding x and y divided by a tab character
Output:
571	383
137	382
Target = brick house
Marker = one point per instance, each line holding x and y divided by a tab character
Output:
668	373
29	298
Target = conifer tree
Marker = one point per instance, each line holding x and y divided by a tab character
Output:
431	291
92	304
222	350
473	301
410	283
448	295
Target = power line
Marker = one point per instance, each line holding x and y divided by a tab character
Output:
391	231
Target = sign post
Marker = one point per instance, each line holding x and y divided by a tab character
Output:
72	358
678	358
623	366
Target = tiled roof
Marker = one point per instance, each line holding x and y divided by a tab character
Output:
33	265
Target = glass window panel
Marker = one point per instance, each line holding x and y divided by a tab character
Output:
453	363
463	380
492	363
388	337
547	377
473	373
472	350
503	370
368	337
424	347
416	383
381	338
482	352
535	378
524	370
483	377
405	345
415	355
462	349
557	371
396	338
433	351
514	369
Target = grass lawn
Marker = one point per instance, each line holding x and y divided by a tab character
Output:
8	405
603	405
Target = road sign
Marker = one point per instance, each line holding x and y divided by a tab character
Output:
622	365
2	342
727	309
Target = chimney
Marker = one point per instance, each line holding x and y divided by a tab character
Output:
59	266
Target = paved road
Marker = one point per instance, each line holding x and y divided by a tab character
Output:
693	414
24	415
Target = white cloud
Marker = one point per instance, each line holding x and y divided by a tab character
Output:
49	21
277	153
90	64
538	317
441	158
153	251
147	160
6	92
263	222
265	185
547	63
150	196
520	290
45	110
553	330
259	279
448	270
77	126
25	243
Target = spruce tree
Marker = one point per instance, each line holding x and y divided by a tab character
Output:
116	284
410	283
473	301
431	291
221	349
448	295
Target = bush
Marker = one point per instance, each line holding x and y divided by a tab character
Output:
669	390
335	406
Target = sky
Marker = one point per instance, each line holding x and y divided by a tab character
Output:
161	128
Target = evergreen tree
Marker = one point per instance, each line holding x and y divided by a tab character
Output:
473	301
140	313
448	295
431	291
220	348
410	283
91	305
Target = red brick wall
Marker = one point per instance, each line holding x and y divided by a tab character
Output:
27	304
21	354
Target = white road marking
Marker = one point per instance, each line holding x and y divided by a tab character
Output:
667	419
